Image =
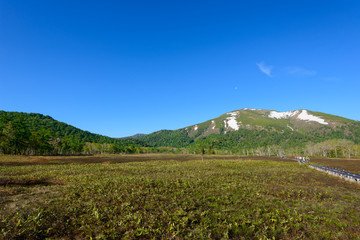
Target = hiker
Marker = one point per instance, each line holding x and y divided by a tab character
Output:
307	159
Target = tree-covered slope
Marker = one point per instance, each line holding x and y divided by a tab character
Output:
22	133
38	122
168	138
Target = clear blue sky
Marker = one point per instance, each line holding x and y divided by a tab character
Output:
119	68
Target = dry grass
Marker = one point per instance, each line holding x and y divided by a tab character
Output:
26	182
7	160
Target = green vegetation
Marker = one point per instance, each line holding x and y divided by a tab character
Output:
261	135
168	138
214	199
36	134
264	142
331	117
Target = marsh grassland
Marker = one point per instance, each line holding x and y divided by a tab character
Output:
166	197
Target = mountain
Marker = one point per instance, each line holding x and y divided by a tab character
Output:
246	131
39	134
252	128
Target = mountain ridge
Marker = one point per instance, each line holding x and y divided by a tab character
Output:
296	126
237	131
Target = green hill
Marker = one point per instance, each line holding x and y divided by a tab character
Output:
249	129
32	133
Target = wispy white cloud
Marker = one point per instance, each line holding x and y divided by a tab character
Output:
265	68
301	71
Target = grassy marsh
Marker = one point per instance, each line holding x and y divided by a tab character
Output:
226	198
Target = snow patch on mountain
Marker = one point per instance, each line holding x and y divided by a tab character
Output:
213	124
280	115
196	127
290	127
304	115
231	121
301	115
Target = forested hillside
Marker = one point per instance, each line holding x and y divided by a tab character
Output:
36	134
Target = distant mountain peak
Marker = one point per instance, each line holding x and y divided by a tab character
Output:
250	118
249	127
